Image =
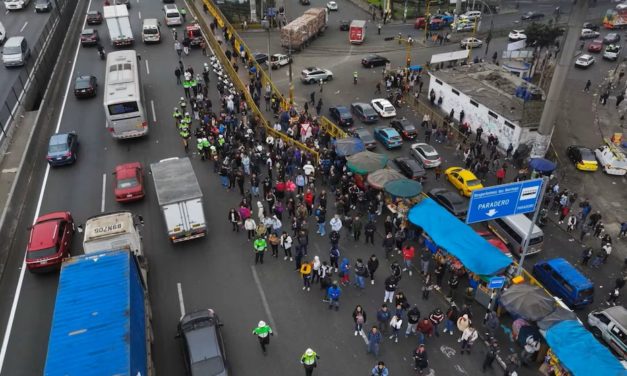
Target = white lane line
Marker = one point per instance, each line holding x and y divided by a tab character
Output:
24	26
154	114
104	192
6	12
264	301
18	288
139	14
363	335
181	302
147	67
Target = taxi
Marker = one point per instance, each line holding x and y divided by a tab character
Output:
582	157
464	180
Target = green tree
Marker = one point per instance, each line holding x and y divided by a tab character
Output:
542	35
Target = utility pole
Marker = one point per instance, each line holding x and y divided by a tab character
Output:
553	100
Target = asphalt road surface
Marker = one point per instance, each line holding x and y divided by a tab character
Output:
218	271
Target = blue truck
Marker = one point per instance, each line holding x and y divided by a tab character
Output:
102	318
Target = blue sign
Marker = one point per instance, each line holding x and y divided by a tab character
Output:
503	200
271	12
496	282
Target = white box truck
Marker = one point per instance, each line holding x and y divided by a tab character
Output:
180	198
118	24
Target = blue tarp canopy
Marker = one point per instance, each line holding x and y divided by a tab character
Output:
458	238
580	352
415	68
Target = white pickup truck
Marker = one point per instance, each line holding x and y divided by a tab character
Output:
613	161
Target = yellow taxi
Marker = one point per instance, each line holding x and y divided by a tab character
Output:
583	158
464	180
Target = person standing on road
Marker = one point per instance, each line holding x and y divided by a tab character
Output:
373	265
357	227
361	273
587	87
369	231
333	296
413	318
177	73
395	323
374	339
493	349
263	333
309	361
383	317
260	246
380	370
408	256
390	288
421	361
436	317
469	336
250	226
305	272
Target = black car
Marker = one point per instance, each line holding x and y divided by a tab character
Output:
531	15
85	86
410	168
345	25
364	112
591	26
62	149
405	128
260	57
451	201
341	115
203	346
43	6
374	61
94	17
305	2
364	135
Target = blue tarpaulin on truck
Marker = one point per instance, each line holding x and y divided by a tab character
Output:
458	239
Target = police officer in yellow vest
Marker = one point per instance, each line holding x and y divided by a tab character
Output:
177	116
187	84
308	360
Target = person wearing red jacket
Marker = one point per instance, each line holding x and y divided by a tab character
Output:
408	256
309	198
425	329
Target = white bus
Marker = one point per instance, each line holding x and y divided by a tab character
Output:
123	96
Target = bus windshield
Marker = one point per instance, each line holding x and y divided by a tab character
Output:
123	108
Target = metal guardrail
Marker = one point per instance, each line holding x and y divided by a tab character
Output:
239	44
219	53
29	74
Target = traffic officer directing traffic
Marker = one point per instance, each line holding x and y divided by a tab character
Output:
263	331
260	247
308	360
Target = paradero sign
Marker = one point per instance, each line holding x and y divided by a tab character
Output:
503	200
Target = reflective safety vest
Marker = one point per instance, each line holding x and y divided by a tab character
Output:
308	360
193	83
177	115
186	120
205	143
221	141
260	245
199	145
184	132
263	331
187	84
355	74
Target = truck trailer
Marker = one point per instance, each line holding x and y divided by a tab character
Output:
357	32
102	322
298	33
118	24
180	198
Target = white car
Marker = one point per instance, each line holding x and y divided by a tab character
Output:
426	155
611	51
614	162
16	4
584	61
470	42
383	107
332	5
279	60
472	15
589	34
516	35
622	6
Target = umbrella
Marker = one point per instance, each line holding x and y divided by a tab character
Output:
559	315
542	165
378	178
527	301
349	146
366	162
403	188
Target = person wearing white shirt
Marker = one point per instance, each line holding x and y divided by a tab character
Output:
336	223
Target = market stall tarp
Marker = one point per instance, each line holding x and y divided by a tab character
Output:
557	316
366	162
348	146
458	238
378	178
542	165
579	352
405	188
527	301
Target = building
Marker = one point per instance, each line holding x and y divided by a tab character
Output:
492	98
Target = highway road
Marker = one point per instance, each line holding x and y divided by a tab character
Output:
218	271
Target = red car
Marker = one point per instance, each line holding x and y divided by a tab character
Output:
129	182
495	241
596	45
50	241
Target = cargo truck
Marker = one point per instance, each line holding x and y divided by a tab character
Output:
180	198
298	33
117	230
118	24
357	32
102	321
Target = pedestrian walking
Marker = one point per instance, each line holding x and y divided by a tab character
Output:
468	338
305	272
413	318
357	227
178	47
390	288
260	246
359	318
598	259
395	323
309	360
361	273
345	268
587	87
333	296
274	241
373	265
388	245
425	329
450	319
374	340
177	73
408	256
383	317
263	332
421	361
586	255
453	283
613	297
436	317
316	269
369	230
425	259
493	349
286	243
380	370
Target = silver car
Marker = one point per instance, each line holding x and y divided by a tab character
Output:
313	74
470	42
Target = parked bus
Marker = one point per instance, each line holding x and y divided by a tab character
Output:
123	96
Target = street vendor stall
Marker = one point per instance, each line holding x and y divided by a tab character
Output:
366	162
348	146
401	195
378	178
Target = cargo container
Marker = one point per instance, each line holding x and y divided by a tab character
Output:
298	33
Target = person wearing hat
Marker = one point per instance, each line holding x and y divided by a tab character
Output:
308	360
263	332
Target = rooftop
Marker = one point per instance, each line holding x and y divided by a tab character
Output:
497	89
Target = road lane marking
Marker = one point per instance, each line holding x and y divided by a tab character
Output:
104	192
181	302
147	67
24	26
140	15
18	288
363	335
154	114
264	301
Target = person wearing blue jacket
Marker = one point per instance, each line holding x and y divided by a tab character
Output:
380	369
345	272
333	296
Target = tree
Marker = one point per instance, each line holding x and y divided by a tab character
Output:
542	35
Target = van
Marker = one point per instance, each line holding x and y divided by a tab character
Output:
513	230
472	15
151	32
172	15
611	325
565	282
15	52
